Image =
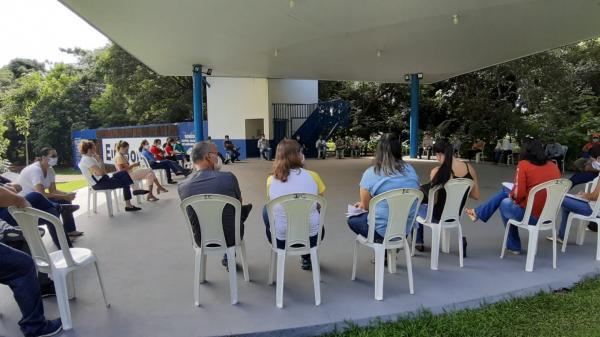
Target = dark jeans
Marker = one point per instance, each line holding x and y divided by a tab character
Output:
21	245
233	154
582	177
281	243
501	155
40	202
67	217
163	165
120	179
424	150
359	224
17	270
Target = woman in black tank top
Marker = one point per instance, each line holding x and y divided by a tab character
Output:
444	153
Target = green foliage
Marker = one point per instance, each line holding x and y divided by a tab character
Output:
546	314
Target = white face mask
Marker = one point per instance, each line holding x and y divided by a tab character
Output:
146	146
596	165
217	166
52	161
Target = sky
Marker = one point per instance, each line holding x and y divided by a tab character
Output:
36	29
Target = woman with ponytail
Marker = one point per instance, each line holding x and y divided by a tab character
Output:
136	172
450	168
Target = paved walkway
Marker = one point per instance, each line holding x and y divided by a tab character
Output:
148	268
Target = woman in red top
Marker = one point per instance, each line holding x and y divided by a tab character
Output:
169	151
533	169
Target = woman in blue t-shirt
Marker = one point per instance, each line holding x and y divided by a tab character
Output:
389	172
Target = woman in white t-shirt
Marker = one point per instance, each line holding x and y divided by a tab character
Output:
91	167
288	177
40	177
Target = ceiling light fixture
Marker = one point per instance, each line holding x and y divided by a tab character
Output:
292	4
455	19
378	53
276	53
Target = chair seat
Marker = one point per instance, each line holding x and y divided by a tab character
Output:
363	240
81	256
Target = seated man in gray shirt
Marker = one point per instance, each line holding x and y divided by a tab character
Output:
208	179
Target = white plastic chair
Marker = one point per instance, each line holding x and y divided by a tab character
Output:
555	193
400	203
298	208
209	211
60	264
584	220
510	159
160	173
480	156
455	189
110	195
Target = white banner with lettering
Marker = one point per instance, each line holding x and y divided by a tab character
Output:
109	147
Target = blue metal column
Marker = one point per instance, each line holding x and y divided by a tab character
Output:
197	90
414	115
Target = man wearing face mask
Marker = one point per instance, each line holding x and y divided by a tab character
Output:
208	179
591	167
40	177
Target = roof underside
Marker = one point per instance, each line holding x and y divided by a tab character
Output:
338	39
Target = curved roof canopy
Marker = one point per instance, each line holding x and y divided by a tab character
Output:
370	40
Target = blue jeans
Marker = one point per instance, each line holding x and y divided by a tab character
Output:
572	205
510	210
67	217
488	208
266	153
120	179
17	271
40	202
359	224
583	177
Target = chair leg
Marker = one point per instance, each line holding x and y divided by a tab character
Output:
505	240
316	273
379	270
60	284
109	202
354	260
89	200
413	241
445	241
280	276
232	274
598	244
71	285
392	260
244	262
272	264
567	230
101	282
408	257
116	200
581	232
435	246
95	204
554	248
197	277
531	250
460	246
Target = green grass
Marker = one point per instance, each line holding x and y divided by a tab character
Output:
71	185
66	171
570	313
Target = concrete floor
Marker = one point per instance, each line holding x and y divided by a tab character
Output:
148	270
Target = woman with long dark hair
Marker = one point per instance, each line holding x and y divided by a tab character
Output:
289	176
450	168
533	169
389	172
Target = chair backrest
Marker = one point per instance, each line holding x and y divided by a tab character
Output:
298	208
28	219
456	189
143	161
565	148
12	176
555	193
87	175
401	203
209	212
589	188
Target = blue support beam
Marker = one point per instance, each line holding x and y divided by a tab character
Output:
414	115
197	90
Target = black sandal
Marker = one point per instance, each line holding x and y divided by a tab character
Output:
132	209
140	192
